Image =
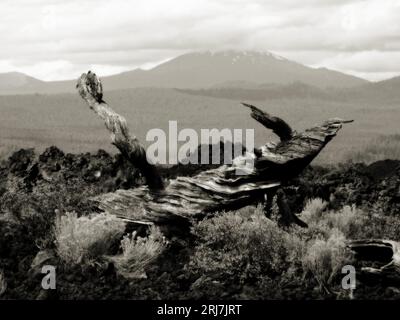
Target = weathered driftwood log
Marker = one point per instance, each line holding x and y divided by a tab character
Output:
91	90
384	252
213	190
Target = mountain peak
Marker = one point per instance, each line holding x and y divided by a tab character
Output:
231	62
204	69
236	54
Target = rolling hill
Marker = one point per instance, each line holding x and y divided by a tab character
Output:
13	82
383	90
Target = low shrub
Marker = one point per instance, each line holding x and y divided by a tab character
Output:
377	226
321	224
348	220
138	252
313	210
80	240
245	248
325	258
242	246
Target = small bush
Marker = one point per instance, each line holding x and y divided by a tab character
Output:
242	246
245	248
321	224
82	239
313	210
324	258
347	220
138	252
376	225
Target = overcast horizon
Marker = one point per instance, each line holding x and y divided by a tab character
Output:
57	40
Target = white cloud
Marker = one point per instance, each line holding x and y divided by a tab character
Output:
54	39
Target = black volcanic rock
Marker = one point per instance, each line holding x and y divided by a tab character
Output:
383	169
20	160
374	185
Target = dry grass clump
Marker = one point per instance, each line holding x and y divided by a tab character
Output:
325	258
313	210
321	222
138	252
328	232
348	220
79	240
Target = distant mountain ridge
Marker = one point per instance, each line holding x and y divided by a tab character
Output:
381	91
15	80
246	91
199	70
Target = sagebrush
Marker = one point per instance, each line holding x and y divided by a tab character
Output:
138	252
80	240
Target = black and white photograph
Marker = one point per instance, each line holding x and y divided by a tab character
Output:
200	150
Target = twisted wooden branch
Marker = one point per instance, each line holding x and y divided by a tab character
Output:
277	125
91	90
186	198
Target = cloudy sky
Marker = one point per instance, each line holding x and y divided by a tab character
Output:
58	39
